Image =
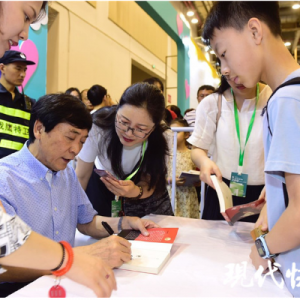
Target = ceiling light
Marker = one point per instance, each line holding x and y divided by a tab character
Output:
194	21
287	44
296	6
190	13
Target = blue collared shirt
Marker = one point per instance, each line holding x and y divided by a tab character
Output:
51	203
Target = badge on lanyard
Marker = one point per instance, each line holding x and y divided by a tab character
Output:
116	205
238	184
238	181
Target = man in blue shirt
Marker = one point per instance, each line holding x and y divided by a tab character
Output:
40	187
246	37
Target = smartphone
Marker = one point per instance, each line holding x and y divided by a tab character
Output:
129	234
104	173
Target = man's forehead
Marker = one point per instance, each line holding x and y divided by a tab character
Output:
19	64
72	129
205	90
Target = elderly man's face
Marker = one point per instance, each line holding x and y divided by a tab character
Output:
59	146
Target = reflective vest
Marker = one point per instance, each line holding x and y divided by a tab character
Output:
14	121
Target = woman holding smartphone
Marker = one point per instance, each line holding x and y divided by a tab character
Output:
19	246
128	142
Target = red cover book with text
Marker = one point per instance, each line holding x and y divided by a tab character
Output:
159	235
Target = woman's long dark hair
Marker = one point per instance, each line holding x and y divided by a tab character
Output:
224	85
149	97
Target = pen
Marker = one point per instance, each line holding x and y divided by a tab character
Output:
107	228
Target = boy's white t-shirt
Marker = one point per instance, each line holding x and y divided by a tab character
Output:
282	155
224	141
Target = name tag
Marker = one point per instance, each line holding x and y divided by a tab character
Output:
116	207
238	184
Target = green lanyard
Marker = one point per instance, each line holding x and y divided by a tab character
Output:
237	125
143	154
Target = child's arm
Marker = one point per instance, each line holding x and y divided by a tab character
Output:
206	165
283	236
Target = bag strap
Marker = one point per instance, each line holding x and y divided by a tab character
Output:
293	81
219	110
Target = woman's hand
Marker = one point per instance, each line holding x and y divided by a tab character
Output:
124	188
179	181
208	167
138	224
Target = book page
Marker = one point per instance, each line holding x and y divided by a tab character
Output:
223	192
147	260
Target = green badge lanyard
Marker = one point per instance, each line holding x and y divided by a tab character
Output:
143	154
237	126
132	174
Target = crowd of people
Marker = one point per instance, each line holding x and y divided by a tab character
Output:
45	198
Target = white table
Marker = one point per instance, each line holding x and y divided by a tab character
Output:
199	266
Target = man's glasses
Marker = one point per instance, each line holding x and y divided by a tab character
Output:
136	132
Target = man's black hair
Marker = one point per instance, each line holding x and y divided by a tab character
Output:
53	109
206	87
72	89
153	80
236	14
96	94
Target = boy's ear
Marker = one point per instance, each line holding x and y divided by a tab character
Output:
255	28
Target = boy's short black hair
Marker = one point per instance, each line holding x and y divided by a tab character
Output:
236	14
53	109
96	94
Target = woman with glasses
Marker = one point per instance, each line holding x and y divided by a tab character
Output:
229	128
128	142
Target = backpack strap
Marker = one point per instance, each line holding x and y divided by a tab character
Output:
293	81
219	110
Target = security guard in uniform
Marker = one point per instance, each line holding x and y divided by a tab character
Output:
15	107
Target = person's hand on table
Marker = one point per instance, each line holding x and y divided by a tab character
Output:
263	217
114	250
92	272
208	167
138	224
124	188
257	260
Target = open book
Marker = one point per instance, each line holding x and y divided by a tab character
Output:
234	213
149	254
191	177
